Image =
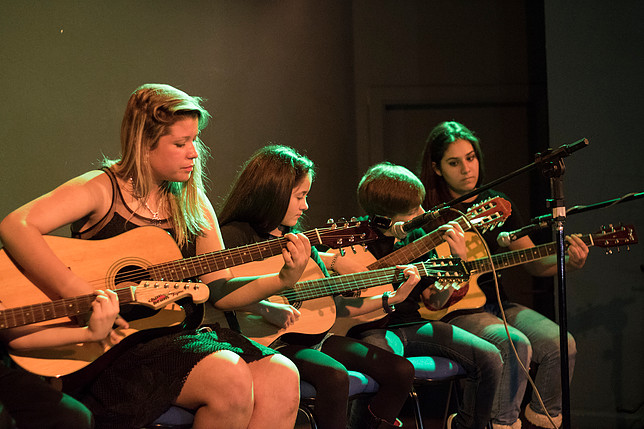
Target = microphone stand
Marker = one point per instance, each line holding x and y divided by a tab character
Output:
551	162
581	209
555	172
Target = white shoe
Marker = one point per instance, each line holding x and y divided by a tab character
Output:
449	420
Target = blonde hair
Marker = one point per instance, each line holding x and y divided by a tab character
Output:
151	110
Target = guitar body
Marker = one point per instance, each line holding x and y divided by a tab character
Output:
362	258
105	264
317	315
464	296
64	360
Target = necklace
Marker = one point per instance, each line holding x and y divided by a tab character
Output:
155	215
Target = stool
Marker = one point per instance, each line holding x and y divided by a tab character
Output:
174	418
431	370
180	418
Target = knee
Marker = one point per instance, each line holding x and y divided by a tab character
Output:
225	384
493	362
72	414
572	346
332	378
403	370
288	382
521	344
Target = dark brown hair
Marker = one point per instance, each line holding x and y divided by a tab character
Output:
437	143
261	193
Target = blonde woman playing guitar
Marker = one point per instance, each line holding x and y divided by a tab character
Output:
158	182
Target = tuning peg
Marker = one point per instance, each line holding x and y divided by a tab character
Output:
341	251
353	248
609	251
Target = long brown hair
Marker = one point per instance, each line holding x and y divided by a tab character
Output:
261	193
151	110
437	143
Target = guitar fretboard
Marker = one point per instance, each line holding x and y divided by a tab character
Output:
65	307
227	258
317	288
417	248
517	257
484	215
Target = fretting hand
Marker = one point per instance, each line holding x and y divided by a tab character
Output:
577	252
296	255
412	277
455	237
105	310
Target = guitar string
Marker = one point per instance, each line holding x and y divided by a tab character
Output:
225	258
435	239
351	282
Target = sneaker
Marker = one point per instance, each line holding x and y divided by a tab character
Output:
449	421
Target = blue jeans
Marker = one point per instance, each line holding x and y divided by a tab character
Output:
481	360
536	339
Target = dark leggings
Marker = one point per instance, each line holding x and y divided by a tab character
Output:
326	370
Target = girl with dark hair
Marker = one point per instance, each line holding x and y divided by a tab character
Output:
452	166
267	200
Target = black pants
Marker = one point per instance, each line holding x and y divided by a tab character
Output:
326	370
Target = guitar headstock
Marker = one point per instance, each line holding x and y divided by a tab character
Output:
158	293
611	236
346	233
489	214
445	269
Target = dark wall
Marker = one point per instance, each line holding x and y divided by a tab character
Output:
351	84
271	71
595	90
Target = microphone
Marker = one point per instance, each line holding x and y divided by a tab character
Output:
400	229
505	238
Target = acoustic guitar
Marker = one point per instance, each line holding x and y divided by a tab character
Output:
142	254
314	298
484	216
468	295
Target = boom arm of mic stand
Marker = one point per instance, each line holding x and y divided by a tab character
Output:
546	157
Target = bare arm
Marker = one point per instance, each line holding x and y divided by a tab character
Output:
21	232
356	306
105	309
228	292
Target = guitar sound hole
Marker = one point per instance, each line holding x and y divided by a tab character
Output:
131	275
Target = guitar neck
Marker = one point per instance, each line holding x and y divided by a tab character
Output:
226	258
417	248
327	286
518	257
66	307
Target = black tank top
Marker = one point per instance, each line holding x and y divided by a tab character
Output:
121	218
